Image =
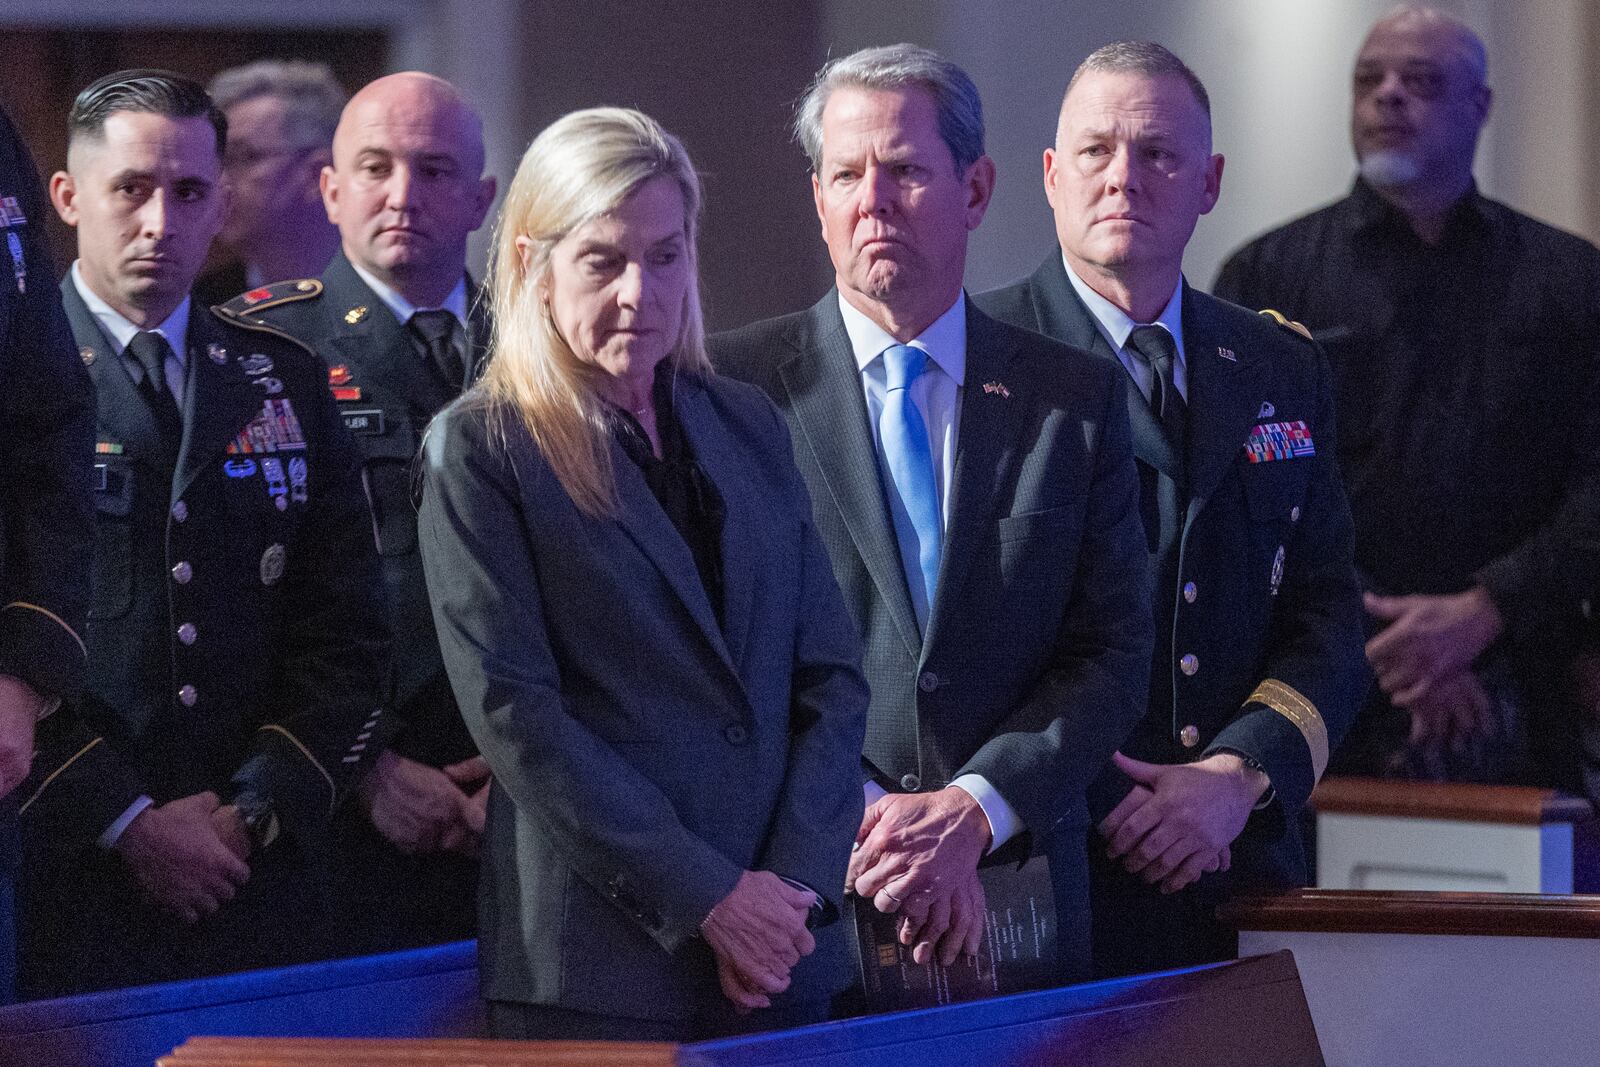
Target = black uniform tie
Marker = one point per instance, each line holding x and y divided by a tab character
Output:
151	350
1154	347
436	330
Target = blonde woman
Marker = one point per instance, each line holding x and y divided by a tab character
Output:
641	626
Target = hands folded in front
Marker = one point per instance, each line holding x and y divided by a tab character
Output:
758	933
917	855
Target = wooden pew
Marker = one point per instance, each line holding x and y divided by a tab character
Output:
427	992
1249	1013
1466	979
1384	834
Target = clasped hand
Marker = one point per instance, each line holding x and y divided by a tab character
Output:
758	933
1180	820
188	854
917	855
421	809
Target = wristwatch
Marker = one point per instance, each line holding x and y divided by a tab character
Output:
260	820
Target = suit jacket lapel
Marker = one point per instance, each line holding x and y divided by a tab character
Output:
989	422
644	521
1224	394
1062	315
220	399
718	456
824	388
119	409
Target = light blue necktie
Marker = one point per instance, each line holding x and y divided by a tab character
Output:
909	457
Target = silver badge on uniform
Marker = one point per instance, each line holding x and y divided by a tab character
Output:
277	486
297	479
217	353
272	564
256	364
1277	570
273	386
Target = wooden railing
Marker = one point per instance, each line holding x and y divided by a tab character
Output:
1352	911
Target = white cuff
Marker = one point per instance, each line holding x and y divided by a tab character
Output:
1003	821
114	831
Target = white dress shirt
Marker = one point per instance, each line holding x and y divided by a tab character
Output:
119	331
455	302
1115	326
936	392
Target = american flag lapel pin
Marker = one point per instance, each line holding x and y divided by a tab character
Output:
997	387
1227	354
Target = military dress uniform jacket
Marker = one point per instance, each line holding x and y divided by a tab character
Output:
46	513
386	394
235	633
1036	656
1258	612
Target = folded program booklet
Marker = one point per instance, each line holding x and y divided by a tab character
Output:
1018	952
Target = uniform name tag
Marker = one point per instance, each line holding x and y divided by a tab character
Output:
365	421
1279	440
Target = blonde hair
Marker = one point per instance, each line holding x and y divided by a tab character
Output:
581	167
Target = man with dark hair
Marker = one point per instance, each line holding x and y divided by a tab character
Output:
975	488
46	514
404	331
281	118
1257	667
233	645
1462	339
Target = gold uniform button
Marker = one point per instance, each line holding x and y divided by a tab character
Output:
182	572
187	633
1189	736
188	695
180	511
1189	664
1294	513
1189	592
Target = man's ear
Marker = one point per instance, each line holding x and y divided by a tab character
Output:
328	182
64	196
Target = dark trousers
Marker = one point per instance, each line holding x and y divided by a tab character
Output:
385	901
84	924
514	1021
1138	929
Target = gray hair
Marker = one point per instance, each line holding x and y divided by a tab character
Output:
1141	57
312	96
891	67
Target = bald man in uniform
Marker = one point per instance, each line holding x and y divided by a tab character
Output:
402	329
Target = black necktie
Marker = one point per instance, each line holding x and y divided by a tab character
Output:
1154	347
436	330
151	350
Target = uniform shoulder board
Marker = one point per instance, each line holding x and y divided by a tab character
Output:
1283	320
270	296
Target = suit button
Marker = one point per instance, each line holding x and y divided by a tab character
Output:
1189	736
1189	664
910	783
736	733
182	573
1189	592
180	511
1294	513
188	695
928	681
187	633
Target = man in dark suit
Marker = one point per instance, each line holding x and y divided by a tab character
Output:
402	329
974	486
1257	668
233	639
46	512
